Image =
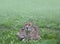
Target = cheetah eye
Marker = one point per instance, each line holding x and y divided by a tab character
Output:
26	24
29	24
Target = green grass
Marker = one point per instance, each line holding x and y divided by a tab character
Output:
44	13
9	36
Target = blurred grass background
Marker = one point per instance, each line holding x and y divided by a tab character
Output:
44	13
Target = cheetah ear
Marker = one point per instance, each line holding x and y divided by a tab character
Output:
22	28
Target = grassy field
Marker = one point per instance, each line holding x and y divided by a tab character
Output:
44	13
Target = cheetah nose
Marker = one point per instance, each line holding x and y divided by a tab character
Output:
26	27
